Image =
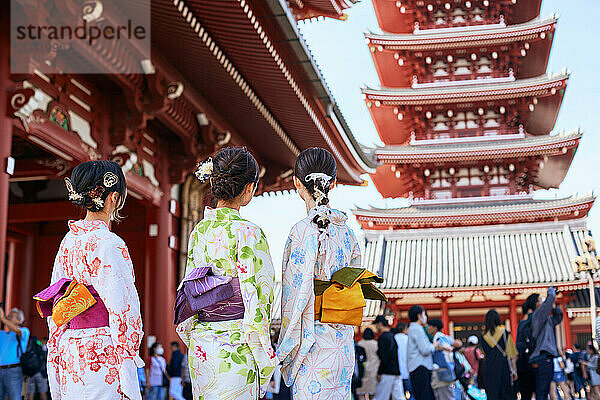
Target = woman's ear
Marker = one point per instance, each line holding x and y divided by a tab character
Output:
297	183
251	188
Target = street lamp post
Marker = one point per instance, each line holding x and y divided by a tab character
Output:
587	264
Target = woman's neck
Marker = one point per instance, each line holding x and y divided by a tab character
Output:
98	216
233	206
310	204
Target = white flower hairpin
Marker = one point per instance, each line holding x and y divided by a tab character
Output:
204	170
324	179
315	176
73	195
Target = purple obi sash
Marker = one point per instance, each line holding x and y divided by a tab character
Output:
211	297
76	309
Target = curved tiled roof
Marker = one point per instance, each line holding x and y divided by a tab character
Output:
248	59
460	38
453	258
478	91
528	146
477	211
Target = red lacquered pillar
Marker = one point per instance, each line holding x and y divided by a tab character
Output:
514	319
6	132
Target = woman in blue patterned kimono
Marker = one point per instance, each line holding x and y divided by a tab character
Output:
318	358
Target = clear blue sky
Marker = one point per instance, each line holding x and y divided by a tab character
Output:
340	51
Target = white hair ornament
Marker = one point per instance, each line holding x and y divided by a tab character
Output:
205	170
324	180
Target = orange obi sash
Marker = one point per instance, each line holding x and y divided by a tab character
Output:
68	301
341	300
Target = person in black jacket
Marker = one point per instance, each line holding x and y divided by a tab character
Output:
525	371
360	357
174	371
388	374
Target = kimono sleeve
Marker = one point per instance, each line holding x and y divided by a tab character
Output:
297	334
55	333
257	279
115	283
184	329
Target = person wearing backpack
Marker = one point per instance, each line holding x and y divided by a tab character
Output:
526	346
12	338
473	355
444	376
543	322
499	369
33	363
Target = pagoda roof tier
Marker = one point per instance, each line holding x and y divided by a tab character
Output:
549	160
534	38
307	9
400	17
481	211
530	146
542	96
475	261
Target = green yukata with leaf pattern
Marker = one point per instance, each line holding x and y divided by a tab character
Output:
232	359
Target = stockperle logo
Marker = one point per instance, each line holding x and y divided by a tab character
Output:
71	36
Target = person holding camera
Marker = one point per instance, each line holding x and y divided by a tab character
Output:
13	342
543	321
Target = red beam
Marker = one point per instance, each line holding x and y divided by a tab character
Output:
445	316
514	320
51	211
567	325
461	305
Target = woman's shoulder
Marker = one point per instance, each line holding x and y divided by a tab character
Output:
303	228
115	239
246	224
246	228
102	240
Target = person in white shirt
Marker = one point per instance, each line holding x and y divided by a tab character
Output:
402	341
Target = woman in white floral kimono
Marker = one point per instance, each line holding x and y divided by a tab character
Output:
231	358
92	304
318	358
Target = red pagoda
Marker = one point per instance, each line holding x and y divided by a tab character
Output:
466	111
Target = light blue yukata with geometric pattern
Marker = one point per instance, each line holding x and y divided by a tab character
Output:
318	358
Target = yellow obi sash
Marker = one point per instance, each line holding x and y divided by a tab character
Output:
341	300
68	299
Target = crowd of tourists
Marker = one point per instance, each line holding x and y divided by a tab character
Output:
223	313
420	362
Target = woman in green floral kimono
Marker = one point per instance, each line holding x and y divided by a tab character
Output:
231	359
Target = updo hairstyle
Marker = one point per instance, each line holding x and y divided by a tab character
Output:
92	182
316	160
233	169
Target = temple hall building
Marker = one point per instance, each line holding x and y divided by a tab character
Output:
221	73
466	111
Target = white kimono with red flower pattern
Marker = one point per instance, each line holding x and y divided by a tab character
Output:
97	363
